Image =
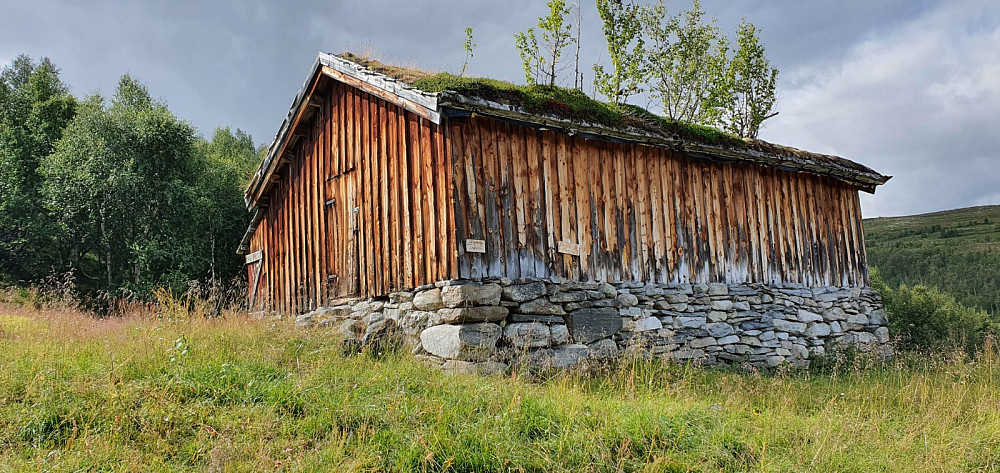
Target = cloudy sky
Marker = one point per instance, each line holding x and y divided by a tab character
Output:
908	87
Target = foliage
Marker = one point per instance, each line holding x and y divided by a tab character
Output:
924	318
235	394
622	25
35	106
745	96
686	60
119	184
469	47
540	60
119	196
957	251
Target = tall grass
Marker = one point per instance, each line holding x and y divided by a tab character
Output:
149	392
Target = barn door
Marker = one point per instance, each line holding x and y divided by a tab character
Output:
342	228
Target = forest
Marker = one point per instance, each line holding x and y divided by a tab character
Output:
111	197
957	251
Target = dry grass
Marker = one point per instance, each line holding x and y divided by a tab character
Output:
156	392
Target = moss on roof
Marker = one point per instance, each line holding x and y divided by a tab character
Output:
573	105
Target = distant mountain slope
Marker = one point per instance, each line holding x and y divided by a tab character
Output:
955	250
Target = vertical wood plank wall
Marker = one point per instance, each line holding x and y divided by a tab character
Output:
363	208
547	204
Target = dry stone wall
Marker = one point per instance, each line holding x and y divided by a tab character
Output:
486	326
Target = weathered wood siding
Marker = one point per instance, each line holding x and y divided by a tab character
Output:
548	204
362	208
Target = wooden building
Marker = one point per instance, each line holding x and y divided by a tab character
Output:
373	186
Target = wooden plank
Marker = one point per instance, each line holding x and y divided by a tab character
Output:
773	204
536	204
796	226
760	224
718	223
310	193
817	268
728	232
385	274
510	260
581	165
429	215
475	189
665	199
632	267
296	243
489	199
860	237
683	218
701	248
442	200
647	251
595	248
460	201
567	205
521	197
550	186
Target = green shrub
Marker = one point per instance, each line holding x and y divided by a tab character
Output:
925	318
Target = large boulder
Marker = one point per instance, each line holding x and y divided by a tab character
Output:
589	325
465	295
467	342
428	300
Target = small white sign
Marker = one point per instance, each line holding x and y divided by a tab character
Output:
475	246
569	248
255	256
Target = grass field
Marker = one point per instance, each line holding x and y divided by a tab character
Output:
237	394
955	250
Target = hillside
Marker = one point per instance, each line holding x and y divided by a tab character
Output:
955	250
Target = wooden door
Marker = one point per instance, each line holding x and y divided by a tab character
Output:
342	230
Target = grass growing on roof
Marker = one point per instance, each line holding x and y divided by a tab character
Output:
573	105
236	394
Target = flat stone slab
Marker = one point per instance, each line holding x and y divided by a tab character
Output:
589	325
486	313
463	295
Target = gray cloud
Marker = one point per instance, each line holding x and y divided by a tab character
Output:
909	87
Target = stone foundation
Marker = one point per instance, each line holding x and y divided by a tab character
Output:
552	324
